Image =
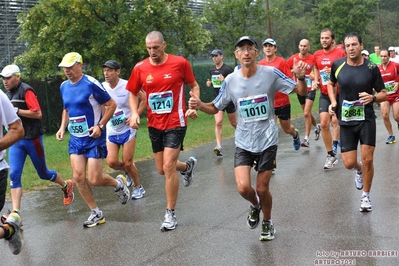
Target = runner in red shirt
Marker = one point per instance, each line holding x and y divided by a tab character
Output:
390	75
162	77
323	61
282	106
306	101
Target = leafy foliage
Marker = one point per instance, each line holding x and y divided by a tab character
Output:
232	19
102	30
342	17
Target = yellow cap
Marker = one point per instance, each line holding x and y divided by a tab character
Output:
70	59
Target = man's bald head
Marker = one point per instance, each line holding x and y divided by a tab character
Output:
304	47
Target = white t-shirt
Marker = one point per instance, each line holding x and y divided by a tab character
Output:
117	124
396	59
7	117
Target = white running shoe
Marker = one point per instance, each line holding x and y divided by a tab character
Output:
365	205
358	180
123	192
138	192
317	132
170	222
188	175
129	181
330	162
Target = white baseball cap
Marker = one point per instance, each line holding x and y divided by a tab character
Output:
365	52
10	70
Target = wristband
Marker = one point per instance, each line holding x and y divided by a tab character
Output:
300	77
16	110
374	98
100	126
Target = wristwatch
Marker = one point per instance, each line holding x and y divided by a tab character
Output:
101	126
374	98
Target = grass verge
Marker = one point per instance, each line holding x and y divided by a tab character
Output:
200	131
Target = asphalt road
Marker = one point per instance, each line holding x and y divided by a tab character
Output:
315	212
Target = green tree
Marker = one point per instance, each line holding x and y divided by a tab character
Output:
102	30
231	19
290	24
342	17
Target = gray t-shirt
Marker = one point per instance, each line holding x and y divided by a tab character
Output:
254	101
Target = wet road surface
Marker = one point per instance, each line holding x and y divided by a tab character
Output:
315	212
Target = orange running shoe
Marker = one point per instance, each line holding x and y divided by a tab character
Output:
68	192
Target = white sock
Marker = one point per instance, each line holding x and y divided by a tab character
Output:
119	185
96	209
365	194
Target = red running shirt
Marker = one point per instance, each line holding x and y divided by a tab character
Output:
165	81
280	99
308	60
323	60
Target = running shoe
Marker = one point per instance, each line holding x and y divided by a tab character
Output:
123	192
15	241
170	222
94	219
129	181
253	217
358	180
68	192
188	175
317	132
268	231
365	204
218	151
138	192
297	141
305	143
5	216
330	162
390	140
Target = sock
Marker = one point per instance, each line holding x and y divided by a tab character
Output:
118	186
331	153
171	211
365	194
96	209
270	221
306	137
64	186
335	142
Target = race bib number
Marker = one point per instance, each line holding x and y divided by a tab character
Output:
352	111
324	77
389	87
308	82
254	108
216	82
78	126
161	102
118	120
